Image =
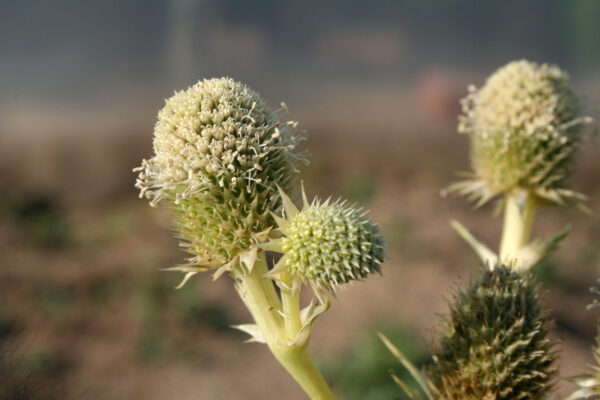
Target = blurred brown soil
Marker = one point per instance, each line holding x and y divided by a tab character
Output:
81	291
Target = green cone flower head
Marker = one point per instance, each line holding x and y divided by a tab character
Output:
525	126
327	245
495	344
219	154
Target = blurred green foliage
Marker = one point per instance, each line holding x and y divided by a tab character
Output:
6	327
359	189
400	233
151	344
104	290
582	28
196	311
164	313
22	374
55	300
152	317
41	221
116	224
43	363
363	371
548	272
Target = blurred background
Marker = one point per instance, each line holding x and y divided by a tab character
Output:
85	312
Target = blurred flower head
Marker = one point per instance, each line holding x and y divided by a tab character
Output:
494	343
525	126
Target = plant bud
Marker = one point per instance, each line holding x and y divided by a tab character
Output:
327	245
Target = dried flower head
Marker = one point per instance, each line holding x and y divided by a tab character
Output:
327	244
219	154
525	126
494	344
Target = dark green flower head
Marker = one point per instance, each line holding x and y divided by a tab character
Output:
494	344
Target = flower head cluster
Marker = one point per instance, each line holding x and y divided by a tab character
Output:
327	244
525	126
219	154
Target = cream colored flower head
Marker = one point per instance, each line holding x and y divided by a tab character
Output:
525	127
219	154
327	245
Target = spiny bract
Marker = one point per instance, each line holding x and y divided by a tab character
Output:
220	153
329	244
525	126
495	344
589	383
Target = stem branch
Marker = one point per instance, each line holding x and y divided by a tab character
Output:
300	365
518	221
259	295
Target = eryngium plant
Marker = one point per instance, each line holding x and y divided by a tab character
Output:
494	344
219	154
525	126
224	164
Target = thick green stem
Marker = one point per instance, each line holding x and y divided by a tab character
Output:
298	363
518	221
260	297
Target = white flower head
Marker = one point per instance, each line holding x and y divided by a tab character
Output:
525	127
219	154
